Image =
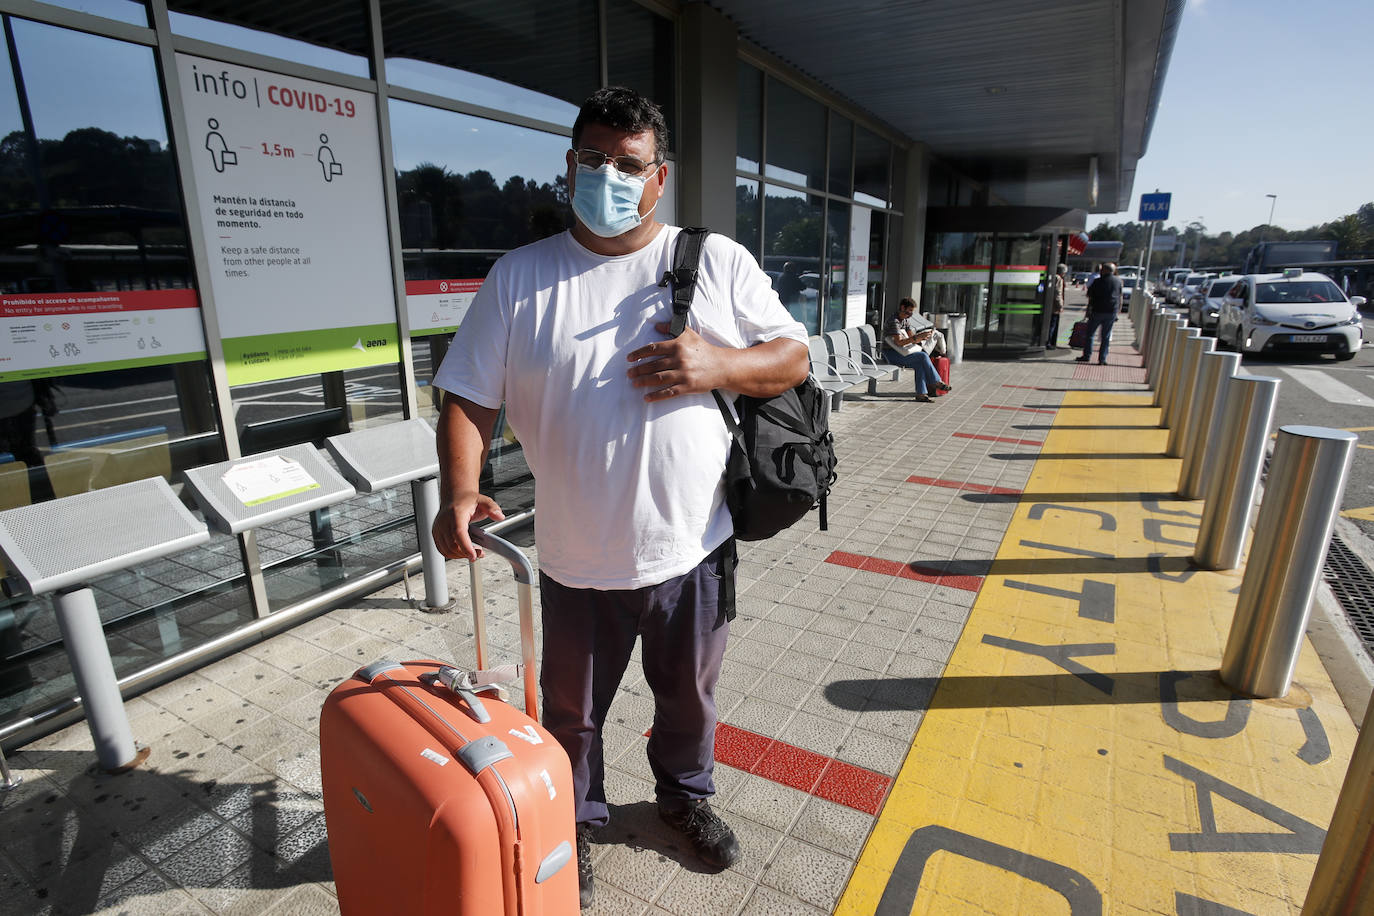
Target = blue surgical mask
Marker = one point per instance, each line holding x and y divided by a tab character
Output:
606	201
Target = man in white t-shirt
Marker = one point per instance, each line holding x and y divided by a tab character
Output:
628	450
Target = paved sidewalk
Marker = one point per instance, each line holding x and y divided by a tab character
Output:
988	688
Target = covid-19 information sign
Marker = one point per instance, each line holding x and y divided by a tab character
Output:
289	186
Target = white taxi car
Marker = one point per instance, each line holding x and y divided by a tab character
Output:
1292	311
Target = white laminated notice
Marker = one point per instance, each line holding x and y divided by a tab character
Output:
265	479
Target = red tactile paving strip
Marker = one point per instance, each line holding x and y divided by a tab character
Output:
962	485
905	570
997	439
1027	409
816	774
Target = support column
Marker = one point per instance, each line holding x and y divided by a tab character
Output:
911	255
706	137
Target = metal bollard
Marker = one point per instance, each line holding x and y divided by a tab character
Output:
1187	392
1202	443
1344	881
1166	354
1152	332
1168	415
1150	342
1161	336
1246	415
1161	327
8	780
1301	498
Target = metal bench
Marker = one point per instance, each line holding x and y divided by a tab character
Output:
830	381
846	349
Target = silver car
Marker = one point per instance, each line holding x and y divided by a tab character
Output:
1205	304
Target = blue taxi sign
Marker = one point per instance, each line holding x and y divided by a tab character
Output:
1154	206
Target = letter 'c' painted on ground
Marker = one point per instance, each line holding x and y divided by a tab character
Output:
900	893
1037	512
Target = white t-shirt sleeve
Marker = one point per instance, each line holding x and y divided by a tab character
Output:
759	314
475	365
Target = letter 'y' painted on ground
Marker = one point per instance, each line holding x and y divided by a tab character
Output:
1063	656
1301	836
900	894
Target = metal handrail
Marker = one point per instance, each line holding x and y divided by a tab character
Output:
64	712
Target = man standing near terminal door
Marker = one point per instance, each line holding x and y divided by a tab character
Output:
628	450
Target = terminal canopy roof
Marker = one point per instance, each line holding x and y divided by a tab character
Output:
1041	99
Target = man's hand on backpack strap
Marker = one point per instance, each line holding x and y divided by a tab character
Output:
678	365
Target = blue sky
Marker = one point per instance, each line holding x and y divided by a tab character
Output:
1265	97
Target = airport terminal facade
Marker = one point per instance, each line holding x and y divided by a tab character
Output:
235	227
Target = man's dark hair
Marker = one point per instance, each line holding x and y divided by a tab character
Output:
623	109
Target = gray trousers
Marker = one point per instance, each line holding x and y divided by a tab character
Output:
588	636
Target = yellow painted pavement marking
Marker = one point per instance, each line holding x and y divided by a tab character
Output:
1141	786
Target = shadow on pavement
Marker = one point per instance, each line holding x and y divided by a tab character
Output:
112	838
1070	498
996	691
1054	566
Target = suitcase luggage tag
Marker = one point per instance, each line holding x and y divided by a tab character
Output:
469	684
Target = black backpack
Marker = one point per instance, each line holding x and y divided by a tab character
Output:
782	461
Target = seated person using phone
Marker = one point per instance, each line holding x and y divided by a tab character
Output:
908	342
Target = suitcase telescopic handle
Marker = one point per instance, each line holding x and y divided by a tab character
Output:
524	577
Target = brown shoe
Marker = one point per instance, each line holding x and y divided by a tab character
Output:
924	398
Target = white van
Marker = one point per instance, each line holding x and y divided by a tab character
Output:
1291	311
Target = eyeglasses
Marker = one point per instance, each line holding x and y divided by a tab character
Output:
625	165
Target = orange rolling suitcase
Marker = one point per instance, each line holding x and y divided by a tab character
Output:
941	364
439	795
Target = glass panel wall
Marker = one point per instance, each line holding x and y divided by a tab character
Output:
747	215
841	155
836	265
103	379
877	259
332	37
794	225
749	128
796	135
470	189
872	169
131	11
639	55
526	57
819	164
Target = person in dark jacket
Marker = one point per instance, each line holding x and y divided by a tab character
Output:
1104	301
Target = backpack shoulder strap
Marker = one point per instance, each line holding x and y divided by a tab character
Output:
683	280
683	277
